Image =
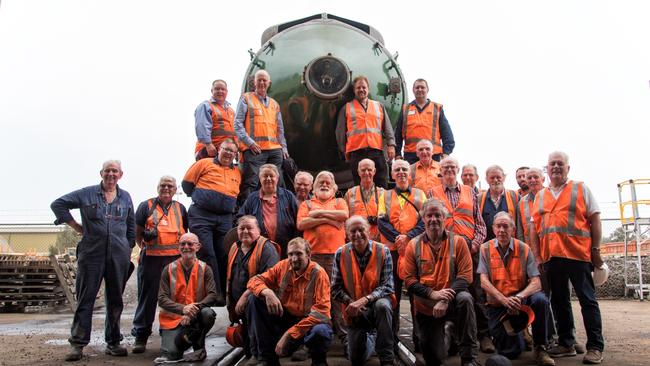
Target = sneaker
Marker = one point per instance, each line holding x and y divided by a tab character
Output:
487	346
75	354
301	354
562	351
116	349
542	357
580	349
593	357
140	346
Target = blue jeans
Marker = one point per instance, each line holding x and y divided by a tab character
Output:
373	330
267	330
513	346
560	272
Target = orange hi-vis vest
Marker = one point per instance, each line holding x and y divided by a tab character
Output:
512	199
562	224
356	206
364	126
461	219
261	122
508	279
435	274
358	284
402	218
425	178
252	261
183	292
308	295
525	215
223	126
418	126
170	229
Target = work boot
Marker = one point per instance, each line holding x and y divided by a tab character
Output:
301	354
140	345
198	355
542	357
528	338
75	353
593	357
116	349
252	361
487	346
562	351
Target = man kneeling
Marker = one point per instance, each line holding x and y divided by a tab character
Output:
362	280
187	289
291	306
510	278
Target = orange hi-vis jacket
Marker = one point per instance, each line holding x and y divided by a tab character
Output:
358	284
305	295
324	239
183	292
507	279
461	219
252	262
423	177
170	228
525	215
402	218
214	187
435	271
364	127
261	122
356	206
418	126
223	126
512	201
562	223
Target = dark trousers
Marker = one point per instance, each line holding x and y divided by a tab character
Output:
252	164
267	330
175	341
149	273
377	156
362	341
327	262
482	329
513	346
112	266
412	157
432	331
397	285
211	229
560	271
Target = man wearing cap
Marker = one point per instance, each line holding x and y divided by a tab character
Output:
510	279
567	237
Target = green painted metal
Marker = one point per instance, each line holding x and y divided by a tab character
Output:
310	122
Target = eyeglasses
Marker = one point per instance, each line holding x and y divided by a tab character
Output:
401	169
187	244
167	186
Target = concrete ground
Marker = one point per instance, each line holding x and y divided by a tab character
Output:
41	338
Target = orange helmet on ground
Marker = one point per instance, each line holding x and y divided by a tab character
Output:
235	335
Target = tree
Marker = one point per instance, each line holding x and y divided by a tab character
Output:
619	236
67	238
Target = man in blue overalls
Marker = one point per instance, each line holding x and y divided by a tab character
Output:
108	235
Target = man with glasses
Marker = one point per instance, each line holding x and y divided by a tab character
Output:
465	220
259	126
187	290
160	222
108	234
213	184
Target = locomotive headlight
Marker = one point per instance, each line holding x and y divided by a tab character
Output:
327	77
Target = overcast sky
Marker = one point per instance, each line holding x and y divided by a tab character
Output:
85	81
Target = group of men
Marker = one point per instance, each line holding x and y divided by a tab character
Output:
472	261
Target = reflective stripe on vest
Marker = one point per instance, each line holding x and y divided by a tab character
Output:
363	131
182	291
309	292
265	139
461	220
254	259
408	124
570	228
218	125
425	305
507	279
511	200
400	222
168	247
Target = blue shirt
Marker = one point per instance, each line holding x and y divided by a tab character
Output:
240	116
107	227
203	120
